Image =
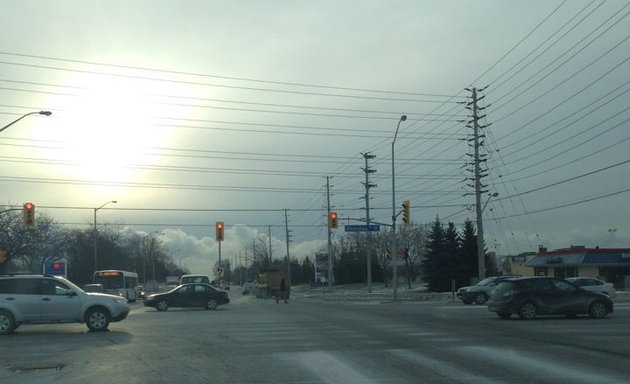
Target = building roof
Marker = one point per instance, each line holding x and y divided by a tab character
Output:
577	256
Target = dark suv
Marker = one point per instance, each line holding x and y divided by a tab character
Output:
531	296
47	299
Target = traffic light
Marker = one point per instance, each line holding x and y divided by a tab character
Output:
219	230
406	216
332	220
28	214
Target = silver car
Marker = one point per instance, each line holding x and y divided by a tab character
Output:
47	299
594	285
480	292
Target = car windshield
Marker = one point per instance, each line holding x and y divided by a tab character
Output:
486	281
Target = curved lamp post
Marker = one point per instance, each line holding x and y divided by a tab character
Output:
96	233
394	261
45	113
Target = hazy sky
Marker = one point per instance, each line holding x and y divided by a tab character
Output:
191	112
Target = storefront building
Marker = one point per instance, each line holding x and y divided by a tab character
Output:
608	264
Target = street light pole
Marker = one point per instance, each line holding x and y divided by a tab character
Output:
394	261
96	232
45	113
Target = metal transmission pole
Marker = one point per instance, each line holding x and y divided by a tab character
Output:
330	266
367	156
478	173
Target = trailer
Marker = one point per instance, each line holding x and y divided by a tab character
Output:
269	283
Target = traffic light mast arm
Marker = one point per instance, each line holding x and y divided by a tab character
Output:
12	209
371	221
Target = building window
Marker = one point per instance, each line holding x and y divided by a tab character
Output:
565	272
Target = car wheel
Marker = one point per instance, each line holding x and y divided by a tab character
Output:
97	319
480	298
597	310
7	323
212	304
162	306
527	311
504	315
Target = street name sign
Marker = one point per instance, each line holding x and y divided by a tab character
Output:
362	228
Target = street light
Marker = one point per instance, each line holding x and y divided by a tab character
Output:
394	261
96	231
45	113
481	254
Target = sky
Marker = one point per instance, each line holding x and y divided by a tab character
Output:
260	114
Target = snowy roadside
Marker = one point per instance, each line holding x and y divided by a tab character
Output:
381	294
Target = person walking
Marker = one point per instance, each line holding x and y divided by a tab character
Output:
283	293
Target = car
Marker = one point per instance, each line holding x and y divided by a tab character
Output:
185	279
595	285
479	292
48	299
140	292
529	297
188	295
248	287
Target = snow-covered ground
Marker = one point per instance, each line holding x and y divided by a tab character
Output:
359	292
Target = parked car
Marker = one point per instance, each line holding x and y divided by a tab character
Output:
529	297
595	285
188	295
47	299
479	292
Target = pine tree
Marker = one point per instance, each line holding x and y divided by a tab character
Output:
433	263
468	254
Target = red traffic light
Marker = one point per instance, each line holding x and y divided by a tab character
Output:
332	220
219	235
28	214
58	266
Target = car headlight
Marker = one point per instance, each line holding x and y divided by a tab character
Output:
120	300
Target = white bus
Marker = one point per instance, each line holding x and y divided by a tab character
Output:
121	283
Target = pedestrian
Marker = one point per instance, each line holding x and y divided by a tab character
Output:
283	293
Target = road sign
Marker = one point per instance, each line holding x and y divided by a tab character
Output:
362	228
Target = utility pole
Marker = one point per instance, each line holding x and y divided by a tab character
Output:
367	156
288	240
270	258
478	174
330	265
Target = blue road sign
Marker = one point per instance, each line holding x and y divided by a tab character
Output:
362	228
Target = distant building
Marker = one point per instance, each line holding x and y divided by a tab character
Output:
608	264
516	265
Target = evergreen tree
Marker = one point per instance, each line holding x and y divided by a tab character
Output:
452	260
468	254
433	263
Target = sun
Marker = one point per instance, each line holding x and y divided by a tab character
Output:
108	133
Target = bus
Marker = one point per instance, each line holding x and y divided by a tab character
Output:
120	283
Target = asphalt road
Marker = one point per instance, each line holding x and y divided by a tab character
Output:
310	341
